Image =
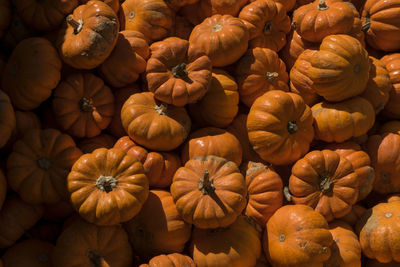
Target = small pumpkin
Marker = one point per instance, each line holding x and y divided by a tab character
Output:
289	5
107	186
375	263
223	38
354	215
7	118
279	125
176	4
170	260
225	7
27	78
88	145
169	125
182	28
5	15
209	192
390	127
392	63
114	4
176	74
89	35
83	105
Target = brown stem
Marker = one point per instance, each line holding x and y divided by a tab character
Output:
106	183
85	104
44	163
216	28
179	71
271	76
94	257
161	109
367	22
292	127
77	25
325	184
267	28
322	5
287	194
206	184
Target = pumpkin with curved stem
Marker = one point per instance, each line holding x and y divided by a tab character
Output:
237	245
88	145
209	192
158	228
44	15
114	4
176	74
30	252
392	63
89	35
260	70
159	167
325	181
107	186
39	164
83	105
5	15
267	22
170	260
297	229
354	215
153	18
340	69
7	119
94	246
280	127
32	72
225	7
223	38
338	122
212	141
127	60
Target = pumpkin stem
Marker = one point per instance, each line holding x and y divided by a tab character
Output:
106	183
325	184
77	25
94	257
44	163
322	5
179	71
287	194
292	127
206	184
161	109
85	104
367	22
216	28
268	27
271	76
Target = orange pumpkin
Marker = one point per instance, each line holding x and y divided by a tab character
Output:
29	79
209	192
260	70
354	215
83	105
158	228
392	63
89	35
267	22
170	260
107	186
127	60
325	181
182	28
225	7
176	74
280	127
87	145
5	15
299	231
154	125
375	263
223	38
114	4
390	127
7	119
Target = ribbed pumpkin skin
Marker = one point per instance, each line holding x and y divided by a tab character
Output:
354	215
392	64
225	7
88	145
170	260
280	127
7	118
29	252
237	245
299	230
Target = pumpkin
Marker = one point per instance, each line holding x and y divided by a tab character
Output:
127	60
392	63
39	164
361	164
115	127
279	125
354	215
212	141
158	228
107	186
175	74
223	38
325	181
390	127
385	159
170	260
89	35
267	22
378	86
93	246
300	231
114	4
153	18
3	188
87	145
16	216
338	122
159	167
300	83
29	252
7	119
25	121
83	105
209	192
375	263
381	24
44	15
395	197
31	73
219	106
265	193
224	7
289	5
154	125
376	228
5	15
345	250
340	69
16	31
237	245
182	28
260	70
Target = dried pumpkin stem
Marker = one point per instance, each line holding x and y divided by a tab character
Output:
77	25
272	76
367	22
292	127
322	5
94	257
161	109
268	27
216	28
325	184
179	71
44	163
206	184
106	183
85	105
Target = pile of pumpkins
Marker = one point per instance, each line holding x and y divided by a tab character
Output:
209	133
